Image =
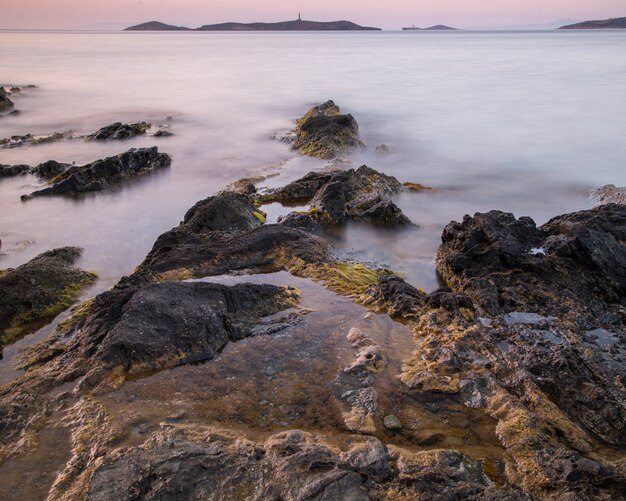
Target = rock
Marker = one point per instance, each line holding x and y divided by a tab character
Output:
584	266
417	187
50	169
14	170
362	194
102	174
381	149
163	133
119	130
32	294
609	194
5	103
30	140
397	297
300	221
323	132
392	422
519	317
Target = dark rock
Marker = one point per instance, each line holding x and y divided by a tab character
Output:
300	221
5	103
34	293
396	297
101	174
323	132
363	194
29	139
119	130
14	170
579	263
163	133
50	169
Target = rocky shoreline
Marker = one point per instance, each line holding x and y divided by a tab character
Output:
528	338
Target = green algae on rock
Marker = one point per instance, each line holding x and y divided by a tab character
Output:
325	133
32	294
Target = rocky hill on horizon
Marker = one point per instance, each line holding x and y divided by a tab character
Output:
296	25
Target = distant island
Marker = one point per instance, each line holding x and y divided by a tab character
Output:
615	22
296	25
431	28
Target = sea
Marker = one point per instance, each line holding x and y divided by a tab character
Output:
523	122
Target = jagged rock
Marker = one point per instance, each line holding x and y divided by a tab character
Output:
34	293
163	133
29	139
300	221
396	297
50	169
5	103
361	195
323	132
609	194
119	130
14	170
101	174
581	267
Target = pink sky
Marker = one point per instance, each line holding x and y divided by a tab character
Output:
389	14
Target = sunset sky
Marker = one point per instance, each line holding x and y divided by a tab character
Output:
390	14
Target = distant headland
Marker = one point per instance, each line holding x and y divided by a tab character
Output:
296	25
615	22
437	27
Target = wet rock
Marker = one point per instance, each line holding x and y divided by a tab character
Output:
323	132
102	174
5	103
397	297
609	194
363	194
14	170
392	422
520	317
291	465
584	267
163	133
381	149
300	221
50	169
118	131
32	294
31	140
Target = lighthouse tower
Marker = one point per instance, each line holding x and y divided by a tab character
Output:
299	18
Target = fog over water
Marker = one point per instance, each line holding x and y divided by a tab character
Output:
525	122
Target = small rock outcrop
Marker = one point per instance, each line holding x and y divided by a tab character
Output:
14	170
31	140
609	194
119	131
5	103
363	194
34	293
325	133
102	174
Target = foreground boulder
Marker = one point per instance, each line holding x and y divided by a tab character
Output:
102	174
34	293
325	133
363	194
118	131
5	103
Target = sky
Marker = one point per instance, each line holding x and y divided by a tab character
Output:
389	14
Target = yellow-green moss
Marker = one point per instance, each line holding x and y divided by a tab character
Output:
260	215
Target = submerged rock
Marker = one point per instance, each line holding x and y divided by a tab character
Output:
29	139
323	132
5	103
14	170
102	174
363	194
609	194
34	293
119	130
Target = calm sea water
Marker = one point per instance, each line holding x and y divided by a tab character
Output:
523	122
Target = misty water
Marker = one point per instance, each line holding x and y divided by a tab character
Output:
526	122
